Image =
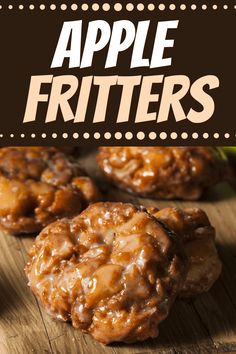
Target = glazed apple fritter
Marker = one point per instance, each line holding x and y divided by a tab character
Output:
114	271
39	185
163	172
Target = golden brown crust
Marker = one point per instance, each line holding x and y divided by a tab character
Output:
39	185
194	230
163	172
114	271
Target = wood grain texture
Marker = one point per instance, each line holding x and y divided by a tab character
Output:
206	324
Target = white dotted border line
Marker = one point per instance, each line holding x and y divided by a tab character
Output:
128	135
118	7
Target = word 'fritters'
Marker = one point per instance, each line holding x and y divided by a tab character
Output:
170	97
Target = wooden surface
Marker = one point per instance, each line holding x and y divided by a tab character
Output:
206	324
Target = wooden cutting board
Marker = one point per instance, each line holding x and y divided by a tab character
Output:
206	324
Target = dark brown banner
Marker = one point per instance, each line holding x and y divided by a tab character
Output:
140	73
